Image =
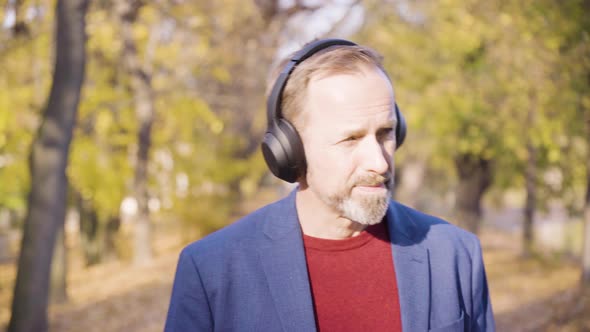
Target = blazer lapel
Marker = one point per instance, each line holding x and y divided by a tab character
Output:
411	268
283	260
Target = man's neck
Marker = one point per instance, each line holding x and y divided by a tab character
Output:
319	220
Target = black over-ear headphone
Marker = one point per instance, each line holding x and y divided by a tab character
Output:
282	147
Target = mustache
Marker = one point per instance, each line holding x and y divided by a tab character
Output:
372	180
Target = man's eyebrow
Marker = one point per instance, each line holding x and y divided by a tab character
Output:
346	133
391	122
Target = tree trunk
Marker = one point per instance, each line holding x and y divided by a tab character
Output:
90	231
143	95
20	27
48	160
59	268
5	253
110	238
586	253
586	248
475	176
531	191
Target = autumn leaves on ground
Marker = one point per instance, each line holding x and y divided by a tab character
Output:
534	294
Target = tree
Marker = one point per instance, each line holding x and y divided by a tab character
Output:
100	165
586	247
48	161
143	97
583	51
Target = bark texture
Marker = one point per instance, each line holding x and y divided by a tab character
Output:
586	247
531	201
59	269
475	177
48	161
530	175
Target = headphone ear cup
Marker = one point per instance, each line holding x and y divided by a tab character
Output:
274	153
283	151
400	129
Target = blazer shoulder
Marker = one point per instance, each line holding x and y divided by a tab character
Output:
439	230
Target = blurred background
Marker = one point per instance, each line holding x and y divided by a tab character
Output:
156	112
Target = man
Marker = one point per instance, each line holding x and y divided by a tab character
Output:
337	254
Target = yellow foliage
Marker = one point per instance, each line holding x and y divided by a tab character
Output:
104	121
102	34
474	71
216	126
221	74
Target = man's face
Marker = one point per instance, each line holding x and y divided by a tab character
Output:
349	140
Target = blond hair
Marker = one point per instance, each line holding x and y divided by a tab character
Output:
333	60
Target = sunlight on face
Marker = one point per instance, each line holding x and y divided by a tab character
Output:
349	142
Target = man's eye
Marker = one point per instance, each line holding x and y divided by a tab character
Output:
386	132
351	139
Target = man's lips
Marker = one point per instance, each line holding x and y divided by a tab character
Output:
367	186
371	185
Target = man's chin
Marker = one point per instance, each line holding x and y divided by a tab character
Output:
366	212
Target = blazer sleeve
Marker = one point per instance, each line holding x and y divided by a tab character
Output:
483	317
189	308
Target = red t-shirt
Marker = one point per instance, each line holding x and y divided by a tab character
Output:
353	282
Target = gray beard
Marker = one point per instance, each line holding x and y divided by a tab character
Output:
366	209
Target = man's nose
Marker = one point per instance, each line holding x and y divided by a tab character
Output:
374	157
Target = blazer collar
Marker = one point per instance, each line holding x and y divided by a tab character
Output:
282	219
412	267
283	259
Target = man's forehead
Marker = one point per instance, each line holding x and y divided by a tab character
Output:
346	89
342	121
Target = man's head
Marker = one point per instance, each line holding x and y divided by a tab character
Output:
341	104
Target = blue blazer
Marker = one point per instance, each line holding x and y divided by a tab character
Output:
252	275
